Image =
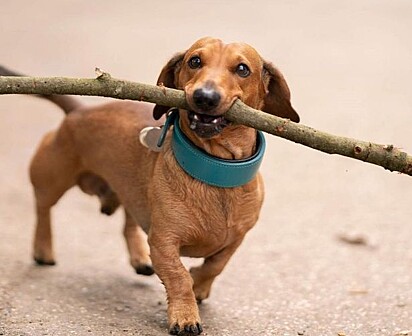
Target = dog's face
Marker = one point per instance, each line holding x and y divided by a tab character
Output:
213	75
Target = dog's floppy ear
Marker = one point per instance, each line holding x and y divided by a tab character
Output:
168	78
277	99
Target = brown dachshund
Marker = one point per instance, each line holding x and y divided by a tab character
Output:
98	148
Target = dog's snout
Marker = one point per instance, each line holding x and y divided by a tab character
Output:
206	98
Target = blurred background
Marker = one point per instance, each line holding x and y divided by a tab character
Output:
331	253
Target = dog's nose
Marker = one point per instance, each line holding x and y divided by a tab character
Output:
206	98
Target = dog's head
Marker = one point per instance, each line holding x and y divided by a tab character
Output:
213	75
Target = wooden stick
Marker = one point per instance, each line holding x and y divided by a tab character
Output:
386	156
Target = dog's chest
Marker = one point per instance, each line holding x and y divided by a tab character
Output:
217	219
206	218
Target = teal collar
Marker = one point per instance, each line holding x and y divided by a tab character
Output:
207	168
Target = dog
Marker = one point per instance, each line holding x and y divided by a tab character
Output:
98	149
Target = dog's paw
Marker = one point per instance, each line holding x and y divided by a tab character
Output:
184	320
43	256
108	209
144	269
44	262
202	291
201	287
186	330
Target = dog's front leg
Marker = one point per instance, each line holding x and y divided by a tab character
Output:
204	275
183	313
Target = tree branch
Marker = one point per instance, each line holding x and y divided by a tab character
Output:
387	156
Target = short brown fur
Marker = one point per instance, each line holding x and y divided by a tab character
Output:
98	148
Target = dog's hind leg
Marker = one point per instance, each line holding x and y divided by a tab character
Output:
137	246
52	172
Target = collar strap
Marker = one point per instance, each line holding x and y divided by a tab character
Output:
209	169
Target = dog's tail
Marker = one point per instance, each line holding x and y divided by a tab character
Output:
66	103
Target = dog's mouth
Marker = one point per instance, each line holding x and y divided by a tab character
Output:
205	125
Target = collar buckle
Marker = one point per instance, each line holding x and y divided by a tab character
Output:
170	118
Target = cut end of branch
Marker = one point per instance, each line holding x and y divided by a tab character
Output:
358	149
407	169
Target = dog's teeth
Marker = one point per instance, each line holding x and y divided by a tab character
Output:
193	125
195	117
215	121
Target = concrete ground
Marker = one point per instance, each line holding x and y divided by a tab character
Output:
348	64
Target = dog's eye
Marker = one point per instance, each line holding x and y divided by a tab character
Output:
195	62
243	70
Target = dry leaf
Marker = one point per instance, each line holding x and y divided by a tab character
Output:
353	238
404	333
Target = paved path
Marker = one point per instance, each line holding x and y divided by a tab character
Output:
349	68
